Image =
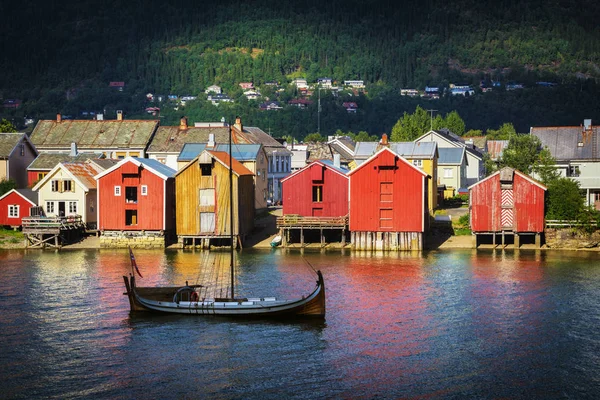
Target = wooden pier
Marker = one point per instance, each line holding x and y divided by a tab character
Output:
52	231
289	222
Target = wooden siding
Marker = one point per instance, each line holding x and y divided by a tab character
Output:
151	209
387	194
298	193
13	199
486	206
188	184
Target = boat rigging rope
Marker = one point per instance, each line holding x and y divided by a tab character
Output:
309	265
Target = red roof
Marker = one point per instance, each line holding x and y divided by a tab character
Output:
116	84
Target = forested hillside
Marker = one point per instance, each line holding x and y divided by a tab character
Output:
61	56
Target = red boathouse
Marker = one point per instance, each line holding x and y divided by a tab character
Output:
136	200
315	198
388	203
15	204
507	203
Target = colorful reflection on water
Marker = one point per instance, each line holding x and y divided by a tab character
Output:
474	324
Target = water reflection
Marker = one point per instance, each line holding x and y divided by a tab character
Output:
476	324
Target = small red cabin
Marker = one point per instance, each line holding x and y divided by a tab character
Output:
388	203
507	202
320	189
15	204
137	194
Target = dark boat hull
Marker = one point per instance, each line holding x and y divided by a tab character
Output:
160	300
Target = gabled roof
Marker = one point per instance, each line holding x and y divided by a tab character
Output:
27	194
258	136
326	163
47	161
452	139
509	169
93	134
241	152
171	139
451	156
569	142
391	151
9	141
156	167
223	158
81	172
318	151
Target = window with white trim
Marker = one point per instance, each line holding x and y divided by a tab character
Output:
447	172
144	190
13	211
418	163
72	207
49	207
117	190
56	186
68	186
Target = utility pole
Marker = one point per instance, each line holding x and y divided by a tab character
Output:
319	112
431	113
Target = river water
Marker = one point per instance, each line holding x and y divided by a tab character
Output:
459	324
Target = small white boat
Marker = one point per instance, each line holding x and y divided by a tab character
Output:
276	241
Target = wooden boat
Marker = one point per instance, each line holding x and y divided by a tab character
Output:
276	241
186	299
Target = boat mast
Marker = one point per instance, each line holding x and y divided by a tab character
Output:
231	210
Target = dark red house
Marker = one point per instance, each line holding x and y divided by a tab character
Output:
15	204
318	190
388	203
507	202
137	195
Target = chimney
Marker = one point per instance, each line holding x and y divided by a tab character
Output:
58	117
183	124
211	140
73	149
336	161
587	124
99	117
119	115
384	140
238	124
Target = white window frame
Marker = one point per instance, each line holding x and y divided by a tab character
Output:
117	190
144	190
448	173
72	207
13	211
56	185
49	207
418	163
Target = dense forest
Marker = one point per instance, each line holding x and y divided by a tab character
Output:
60	57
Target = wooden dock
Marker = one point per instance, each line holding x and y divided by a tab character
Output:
290	222
52	231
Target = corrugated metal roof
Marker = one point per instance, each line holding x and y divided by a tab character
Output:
451	155
157	166
47	161
93	133
365	150
568	142
241	152
495	148
8	142
84	172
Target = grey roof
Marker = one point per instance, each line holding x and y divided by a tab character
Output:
318	151
241	152
157	166
451	155
258	136
28	194
423	150
340	169
344	154
569	142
